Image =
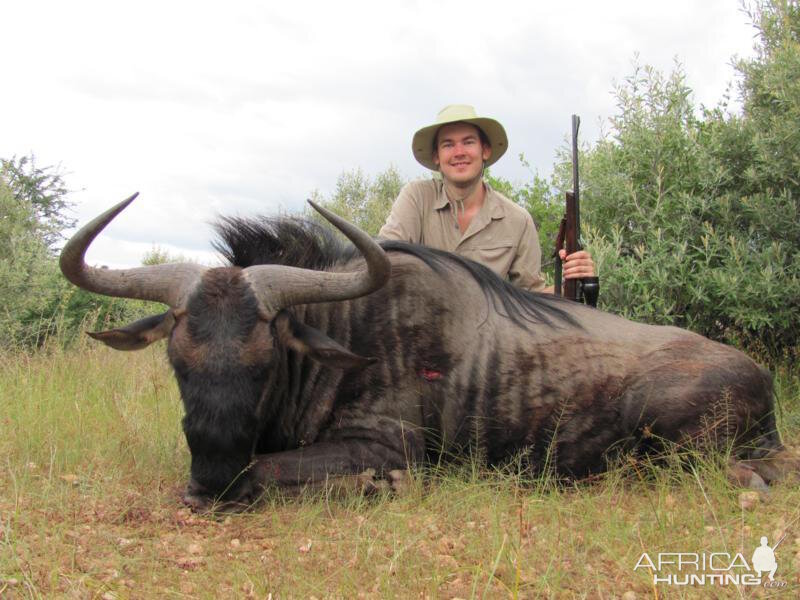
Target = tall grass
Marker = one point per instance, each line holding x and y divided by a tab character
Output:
93	463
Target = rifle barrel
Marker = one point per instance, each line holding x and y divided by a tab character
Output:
576	123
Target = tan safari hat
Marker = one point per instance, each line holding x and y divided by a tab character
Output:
422	144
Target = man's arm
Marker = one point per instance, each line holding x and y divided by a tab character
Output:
526	269
404	222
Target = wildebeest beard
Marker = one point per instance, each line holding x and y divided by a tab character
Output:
302	361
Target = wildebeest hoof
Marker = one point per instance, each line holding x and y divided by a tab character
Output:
400	480
396	480
197	498
197	503
777	465
745	476
208	504
368	484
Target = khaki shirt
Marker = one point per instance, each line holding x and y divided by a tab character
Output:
501	236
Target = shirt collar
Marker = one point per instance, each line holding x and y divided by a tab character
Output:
493	204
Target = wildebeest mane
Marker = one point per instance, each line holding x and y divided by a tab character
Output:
303	243
517	304
290	241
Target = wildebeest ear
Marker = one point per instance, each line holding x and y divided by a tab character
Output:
315	344
138	335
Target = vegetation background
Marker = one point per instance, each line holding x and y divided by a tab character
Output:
692	216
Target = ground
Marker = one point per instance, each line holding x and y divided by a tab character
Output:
94	464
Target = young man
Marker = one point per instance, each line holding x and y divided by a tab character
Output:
461	213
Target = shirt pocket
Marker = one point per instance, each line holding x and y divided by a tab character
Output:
497	254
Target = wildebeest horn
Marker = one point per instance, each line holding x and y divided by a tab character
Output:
279	286
169	284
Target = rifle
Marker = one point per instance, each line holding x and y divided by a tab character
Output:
569	235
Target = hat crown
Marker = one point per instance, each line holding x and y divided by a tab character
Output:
456	112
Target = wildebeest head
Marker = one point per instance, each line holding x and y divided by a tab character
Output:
226	329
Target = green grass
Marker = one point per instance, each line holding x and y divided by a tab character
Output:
93	462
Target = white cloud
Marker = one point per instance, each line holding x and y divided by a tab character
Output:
247	107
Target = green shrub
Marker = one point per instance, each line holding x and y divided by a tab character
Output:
694	220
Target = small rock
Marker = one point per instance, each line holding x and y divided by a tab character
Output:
629	595
709	529
71	479
447	561
189	563
195	549
124	542
749	500
305	547
11	581
187	587
235	543
109	596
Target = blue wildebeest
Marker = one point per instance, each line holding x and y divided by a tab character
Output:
307	358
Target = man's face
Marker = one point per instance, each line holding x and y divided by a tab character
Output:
459	153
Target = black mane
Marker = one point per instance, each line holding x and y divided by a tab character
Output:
306	244
289	241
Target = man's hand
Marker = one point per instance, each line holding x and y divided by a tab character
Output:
577	265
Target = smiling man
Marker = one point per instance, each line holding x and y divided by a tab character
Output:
461	213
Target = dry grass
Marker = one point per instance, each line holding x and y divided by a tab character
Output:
94	460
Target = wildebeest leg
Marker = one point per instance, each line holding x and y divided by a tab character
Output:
714	401
318	462
366	482
311	465
776	465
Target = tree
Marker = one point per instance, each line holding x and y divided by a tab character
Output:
161	256
37	302
25	270
43	191
362	200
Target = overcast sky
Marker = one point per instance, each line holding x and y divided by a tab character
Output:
213	108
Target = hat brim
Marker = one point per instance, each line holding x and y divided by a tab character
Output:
422	143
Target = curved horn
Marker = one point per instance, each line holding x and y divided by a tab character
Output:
278	286
169	284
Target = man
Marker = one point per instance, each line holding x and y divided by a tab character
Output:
461	213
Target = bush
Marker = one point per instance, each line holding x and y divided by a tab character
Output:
38	304
695	220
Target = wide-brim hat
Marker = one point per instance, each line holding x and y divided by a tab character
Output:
422	144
